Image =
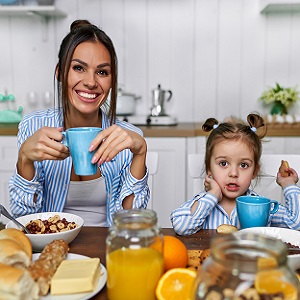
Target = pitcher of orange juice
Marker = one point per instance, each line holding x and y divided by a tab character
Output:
134	255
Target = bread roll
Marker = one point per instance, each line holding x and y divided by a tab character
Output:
225	228
16	284
283	168
11	253
19	237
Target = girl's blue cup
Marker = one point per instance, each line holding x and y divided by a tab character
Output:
254	211
78	140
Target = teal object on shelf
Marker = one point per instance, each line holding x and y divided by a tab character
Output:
11	116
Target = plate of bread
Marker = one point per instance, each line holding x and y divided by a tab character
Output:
53	274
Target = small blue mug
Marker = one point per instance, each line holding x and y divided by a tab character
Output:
78	140
254	211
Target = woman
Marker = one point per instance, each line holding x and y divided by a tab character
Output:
44	179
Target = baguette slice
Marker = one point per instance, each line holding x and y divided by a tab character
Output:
16	284
283	167
43	269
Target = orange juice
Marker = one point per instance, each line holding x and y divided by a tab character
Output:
133	273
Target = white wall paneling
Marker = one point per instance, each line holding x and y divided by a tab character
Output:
216	56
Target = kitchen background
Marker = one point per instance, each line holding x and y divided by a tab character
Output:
217	56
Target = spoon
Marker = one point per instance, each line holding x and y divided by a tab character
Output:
5	213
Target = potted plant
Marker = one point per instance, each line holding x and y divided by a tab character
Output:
280	98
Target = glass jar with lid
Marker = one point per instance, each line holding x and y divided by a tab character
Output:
134	255
245	266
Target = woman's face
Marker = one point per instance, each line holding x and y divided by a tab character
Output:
232	167
89	77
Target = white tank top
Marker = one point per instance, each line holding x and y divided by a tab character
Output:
87	199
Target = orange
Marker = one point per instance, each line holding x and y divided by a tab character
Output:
272	282
175	253
176	284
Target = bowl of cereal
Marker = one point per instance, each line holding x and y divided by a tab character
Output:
48	226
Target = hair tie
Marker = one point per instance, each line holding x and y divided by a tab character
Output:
253	129
215	126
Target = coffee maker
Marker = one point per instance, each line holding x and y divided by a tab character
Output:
157	114
158	100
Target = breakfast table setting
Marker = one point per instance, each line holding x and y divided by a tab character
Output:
91	242
225	262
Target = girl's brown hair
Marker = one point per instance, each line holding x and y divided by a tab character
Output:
235	129
83	31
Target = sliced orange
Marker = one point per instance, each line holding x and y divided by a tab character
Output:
176	284
266	263
272	282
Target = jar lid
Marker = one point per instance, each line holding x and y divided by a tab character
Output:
135	218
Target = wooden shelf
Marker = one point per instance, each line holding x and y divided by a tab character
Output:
28	11
279	6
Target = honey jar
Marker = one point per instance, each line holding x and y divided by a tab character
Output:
245	266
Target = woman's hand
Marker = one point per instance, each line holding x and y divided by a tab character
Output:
115	139
44	144
212	187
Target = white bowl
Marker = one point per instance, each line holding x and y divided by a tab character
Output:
39	241
284	234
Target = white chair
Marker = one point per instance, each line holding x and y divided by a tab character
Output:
266	184
196	169
152	165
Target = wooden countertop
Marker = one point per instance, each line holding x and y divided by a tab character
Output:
183	130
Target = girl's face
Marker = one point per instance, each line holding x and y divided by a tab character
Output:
89	77
232	167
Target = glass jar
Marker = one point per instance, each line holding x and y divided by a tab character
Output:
246	266
134	255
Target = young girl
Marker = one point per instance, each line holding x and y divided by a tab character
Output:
232	160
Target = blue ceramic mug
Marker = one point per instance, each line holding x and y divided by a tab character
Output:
254	211
78	140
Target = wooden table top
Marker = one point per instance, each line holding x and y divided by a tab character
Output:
91	242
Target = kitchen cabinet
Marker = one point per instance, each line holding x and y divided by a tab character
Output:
8	158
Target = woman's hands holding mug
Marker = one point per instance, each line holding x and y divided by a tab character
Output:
113	140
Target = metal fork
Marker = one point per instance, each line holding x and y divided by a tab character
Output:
6	214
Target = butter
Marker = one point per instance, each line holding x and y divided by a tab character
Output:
76	276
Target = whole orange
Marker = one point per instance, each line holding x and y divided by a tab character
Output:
175	253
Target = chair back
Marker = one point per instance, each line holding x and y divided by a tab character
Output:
152	165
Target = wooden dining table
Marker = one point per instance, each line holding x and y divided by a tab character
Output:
91	242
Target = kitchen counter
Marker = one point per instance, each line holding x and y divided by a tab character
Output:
182	130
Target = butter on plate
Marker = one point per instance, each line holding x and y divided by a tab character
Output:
76	276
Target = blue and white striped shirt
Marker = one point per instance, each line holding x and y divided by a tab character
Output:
210	214
52	177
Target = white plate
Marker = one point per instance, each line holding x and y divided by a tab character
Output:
80	296
284	234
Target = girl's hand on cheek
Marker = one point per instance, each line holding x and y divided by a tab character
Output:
212	187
